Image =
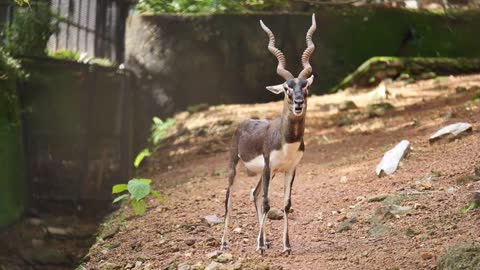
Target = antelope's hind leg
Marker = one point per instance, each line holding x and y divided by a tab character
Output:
262	206
287	203
228	198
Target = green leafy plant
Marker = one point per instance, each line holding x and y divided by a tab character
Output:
30	30
160	129
22	2
469	207
137	190
65	55
10	72
209	6
141	156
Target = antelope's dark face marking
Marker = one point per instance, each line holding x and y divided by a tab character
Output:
296	92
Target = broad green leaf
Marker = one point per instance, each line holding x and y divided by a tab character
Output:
141	156
157	195
139	189
119	188
120	198
157	120
139	207
145	180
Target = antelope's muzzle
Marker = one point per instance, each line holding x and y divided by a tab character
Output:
298	106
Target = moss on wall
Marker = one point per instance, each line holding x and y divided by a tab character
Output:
379	68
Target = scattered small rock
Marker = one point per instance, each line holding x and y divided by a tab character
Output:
454	130
35	221
275	214
262	266
427	75
460	89
237	266
378	109
452	190
109	232
391	159
346	225
476	197
57	231
184	266
213	255
214	266
347	105
198	266
377	198
237	230
466	179
343	179
411	232
424	183
224	258
45	256
36	243
477	169
190	242
388	212
212	220
378	230
427	255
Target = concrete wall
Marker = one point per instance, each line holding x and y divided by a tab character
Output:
185	60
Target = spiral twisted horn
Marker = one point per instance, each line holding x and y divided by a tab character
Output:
280	57
307	68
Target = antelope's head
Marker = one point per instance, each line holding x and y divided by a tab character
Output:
294	89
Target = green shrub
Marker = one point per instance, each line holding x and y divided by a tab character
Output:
10	72
137	190
160	129
65	55
30	30
209	6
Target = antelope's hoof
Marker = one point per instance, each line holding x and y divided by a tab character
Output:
287	251
224	246
261	249
268	245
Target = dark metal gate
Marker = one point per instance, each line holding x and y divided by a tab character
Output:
93	27
78	126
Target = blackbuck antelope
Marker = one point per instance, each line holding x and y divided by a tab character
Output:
273	147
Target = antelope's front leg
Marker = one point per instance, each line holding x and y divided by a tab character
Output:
287	203
261	242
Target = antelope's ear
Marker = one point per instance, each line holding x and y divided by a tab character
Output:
276	89
309	81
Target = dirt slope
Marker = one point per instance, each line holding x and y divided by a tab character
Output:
410	229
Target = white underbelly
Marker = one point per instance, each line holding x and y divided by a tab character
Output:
283	160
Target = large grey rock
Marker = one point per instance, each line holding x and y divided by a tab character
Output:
392	158
453	130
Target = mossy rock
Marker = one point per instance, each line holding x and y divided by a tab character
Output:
377	69
379	109
463	256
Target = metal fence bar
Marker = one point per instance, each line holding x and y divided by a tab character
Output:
92	26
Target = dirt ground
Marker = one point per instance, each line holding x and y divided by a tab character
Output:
345	217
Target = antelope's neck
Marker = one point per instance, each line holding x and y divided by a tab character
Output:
292	126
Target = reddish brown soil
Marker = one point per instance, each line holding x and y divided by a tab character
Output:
336	174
